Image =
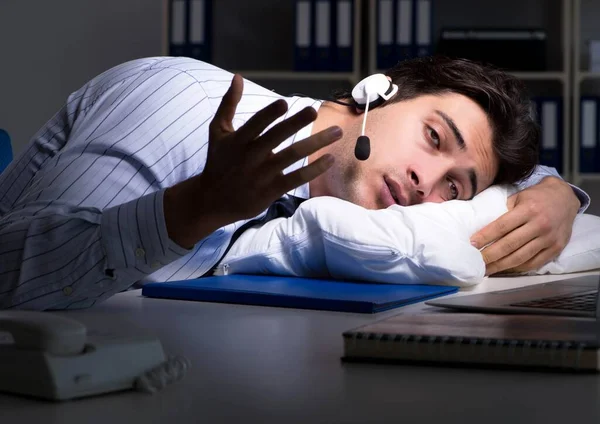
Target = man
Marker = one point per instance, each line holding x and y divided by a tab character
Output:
150	168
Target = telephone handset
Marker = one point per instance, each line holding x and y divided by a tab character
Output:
45	332
46	355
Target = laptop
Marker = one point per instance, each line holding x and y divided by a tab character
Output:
571	297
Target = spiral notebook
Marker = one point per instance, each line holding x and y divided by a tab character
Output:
480	340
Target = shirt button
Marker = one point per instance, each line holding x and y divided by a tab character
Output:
140	253
67	291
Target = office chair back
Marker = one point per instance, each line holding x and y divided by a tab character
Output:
6	154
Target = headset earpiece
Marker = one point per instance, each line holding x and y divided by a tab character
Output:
369	93
377	88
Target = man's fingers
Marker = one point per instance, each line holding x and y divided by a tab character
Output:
302	149
516	259
499	228
261	120
222	122
508	244
285	129
538	261
305	174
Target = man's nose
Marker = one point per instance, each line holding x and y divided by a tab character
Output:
424	182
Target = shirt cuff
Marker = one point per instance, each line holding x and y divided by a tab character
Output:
537	177
135	237
583	197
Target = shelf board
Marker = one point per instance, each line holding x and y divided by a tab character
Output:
583	75
296	75
589	177
541	76
527	75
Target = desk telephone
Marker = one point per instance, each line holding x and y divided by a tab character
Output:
46	355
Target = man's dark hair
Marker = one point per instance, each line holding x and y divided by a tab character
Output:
503	97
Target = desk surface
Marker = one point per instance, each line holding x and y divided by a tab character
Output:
269	365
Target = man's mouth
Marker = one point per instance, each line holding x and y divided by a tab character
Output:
395	191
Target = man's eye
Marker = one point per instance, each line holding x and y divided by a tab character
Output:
433	135
453	190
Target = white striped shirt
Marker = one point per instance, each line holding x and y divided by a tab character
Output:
81	209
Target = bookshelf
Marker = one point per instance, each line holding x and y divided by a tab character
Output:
580	76
563	77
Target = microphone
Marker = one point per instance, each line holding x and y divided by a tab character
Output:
382	90
362	150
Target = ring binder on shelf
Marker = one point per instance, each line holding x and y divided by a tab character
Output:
304	38
190	28
549	112
344	35
323	60
200	29
386	56
6	154
177	23
588	145
423	31
404	29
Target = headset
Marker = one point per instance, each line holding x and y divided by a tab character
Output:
369	93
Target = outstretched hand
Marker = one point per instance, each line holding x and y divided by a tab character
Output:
242	175
245	175
534	231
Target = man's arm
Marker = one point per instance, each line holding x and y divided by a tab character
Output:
537	226
72	257
82	208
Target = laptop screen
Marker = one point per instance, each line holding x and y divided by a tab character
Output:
598	314
598	306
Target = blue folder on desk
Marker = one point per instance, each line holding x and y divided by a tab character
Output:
295	292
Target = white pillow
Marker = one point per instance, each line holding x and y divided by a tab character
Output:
427	243
331	238
582	253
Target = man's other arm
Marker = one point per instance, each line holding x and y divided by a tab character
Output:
537	226
89	223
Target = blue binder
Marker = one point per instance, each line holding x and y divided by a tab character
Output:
295	292
304	35
323	38
549	112
343	41
178	18
423	32
6	154
199	29
588	138
385	19
405	29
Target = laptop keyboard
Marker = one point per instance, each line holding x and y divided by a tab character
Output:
573	302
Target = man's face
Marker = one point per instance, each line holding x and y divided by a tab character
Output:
429	149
